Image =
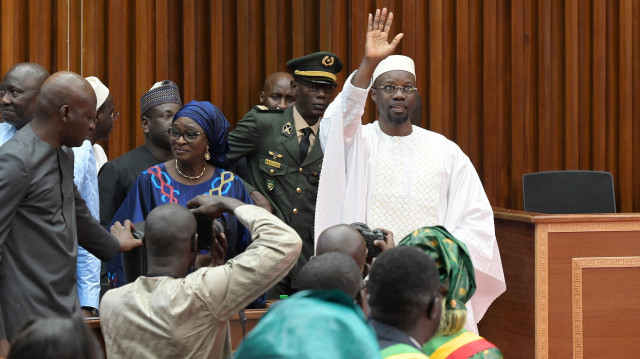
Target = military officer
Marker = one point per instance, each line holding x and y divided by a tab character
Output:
283	156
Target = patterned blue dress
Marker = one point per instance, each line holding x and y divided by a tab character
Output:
156	187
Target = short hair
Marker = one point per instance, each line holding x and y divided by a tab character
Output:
402	280
331	271
168	228
57	337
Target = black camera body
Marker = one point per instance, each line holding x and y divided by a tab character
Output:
370	236
207	229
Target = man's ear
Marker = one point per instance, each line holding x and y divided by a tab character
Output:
374	94
64	113
435	307
145	124
261	96
294	87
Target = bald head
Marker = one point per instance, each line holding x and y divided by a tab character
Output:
19	90
344	239
276	91
66	109
169	231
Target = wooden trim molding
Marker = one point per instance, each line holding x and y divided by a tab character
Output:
542	291
578	265
594	226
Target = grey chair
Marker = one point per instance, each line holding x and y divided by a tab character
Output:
564	192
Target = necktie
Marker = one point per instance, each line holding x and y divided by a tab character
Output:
305	143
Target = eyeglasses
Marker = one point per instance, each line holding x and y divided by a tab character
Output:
316	86
390	89
115	115
189	136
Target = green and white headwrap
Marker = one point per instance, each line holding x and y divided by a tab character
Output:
455	268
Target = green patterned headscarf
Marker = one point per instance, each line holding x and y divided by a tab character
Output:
455	268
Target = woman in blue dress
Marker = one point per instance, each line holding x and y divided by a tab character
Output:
198	137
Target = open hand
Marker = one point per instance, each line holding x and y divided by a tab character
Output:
377	46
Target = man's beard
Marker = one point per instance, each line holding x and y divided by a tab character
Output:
396	120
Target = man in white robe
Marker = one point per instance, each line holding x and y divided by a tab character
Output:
390	174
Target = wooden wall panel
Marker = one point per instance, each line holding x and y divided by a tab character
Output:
521	85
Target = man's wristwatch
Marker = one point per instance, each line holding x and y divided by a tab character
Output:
94	312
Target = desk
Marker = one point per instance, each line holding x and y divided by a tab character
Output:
572	287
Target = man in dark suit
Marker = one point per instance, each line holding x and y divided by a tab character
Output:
43	218
283	156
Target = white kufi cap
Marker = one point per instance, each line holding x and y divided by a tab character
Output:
102	92
393	63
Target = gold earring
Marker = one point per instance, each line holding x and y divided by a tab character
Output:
207	156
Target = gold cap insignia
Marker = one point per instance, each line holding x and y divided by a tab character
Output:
328	61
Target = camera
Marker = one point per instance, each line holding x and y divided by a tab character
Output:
207	228
370	236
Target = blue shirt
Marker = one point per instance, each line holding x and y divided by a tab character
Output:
6	132
86	179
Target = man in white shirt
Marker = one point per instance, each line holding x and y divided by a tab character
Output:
390	174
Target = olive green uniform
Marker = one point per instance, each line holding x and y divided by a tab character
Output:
268	140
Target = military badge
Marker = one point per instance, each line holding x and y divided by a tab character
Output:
270	185
286	129
327	61
275	155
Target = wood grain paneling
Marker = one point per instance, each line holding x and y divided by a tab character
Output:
521	85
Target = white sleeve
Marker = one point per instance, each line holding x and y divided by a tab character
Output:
339	128
347	108
470	219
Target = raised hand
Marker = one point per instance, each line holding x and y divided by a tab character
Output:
377	47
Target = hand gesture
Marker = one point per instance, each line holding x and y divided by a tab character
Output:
123	233
219	249
377	47
386	244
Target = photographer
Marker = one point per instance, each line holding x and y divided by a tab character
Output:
169	313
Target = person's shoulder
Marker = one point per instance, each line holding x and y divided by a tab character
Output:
23	144
434	136
266	109
263	113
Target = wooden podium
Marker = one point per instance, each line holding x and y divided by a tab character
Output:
573	286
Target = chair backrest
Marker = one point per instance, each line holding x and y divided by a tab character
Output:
564	192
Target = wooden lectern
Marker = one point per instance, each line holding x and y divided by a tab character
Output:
573	286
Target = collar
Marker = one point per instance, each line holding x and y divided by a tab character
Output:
389	335
300	123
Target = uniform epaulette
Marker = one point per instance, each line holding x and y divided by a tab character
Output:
263	108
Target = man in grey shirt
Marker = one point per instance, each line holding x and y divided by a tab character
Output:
43	218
